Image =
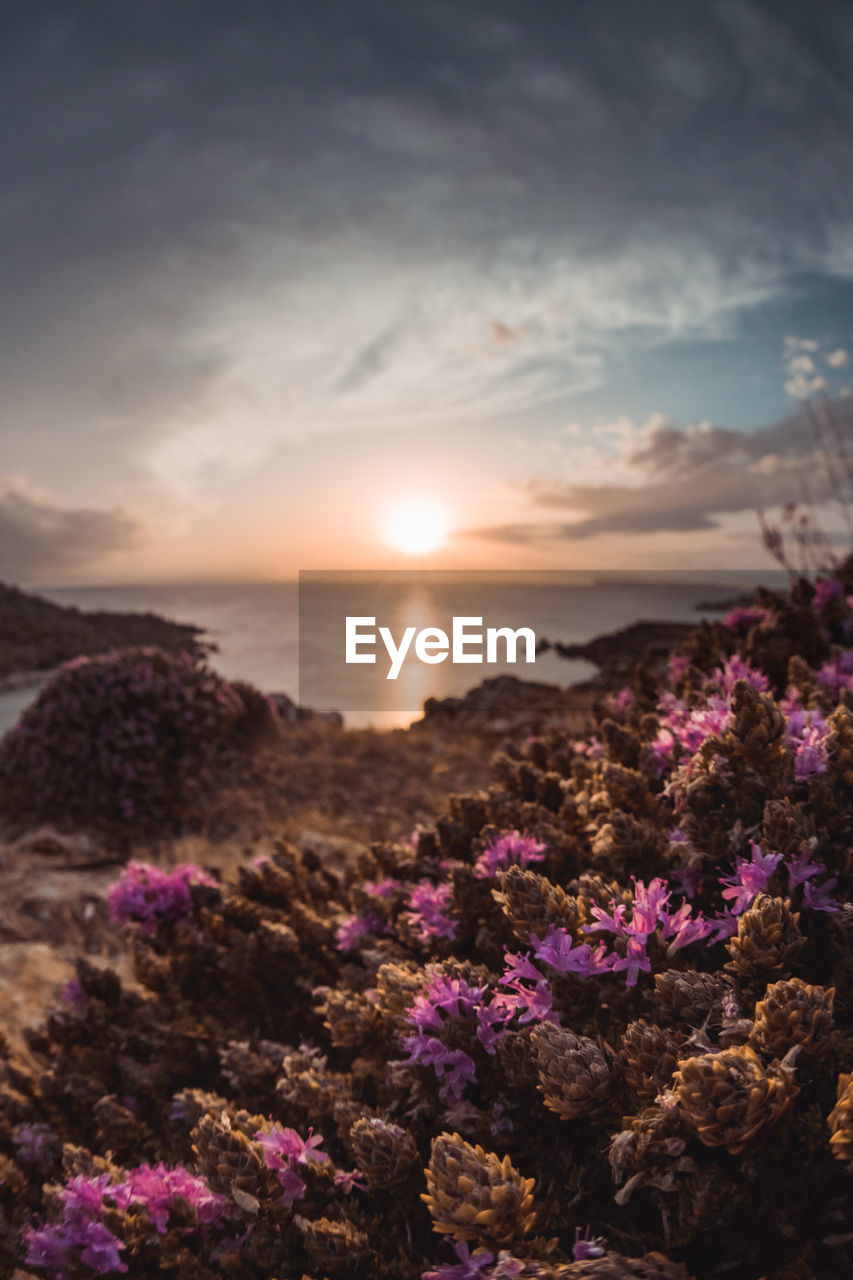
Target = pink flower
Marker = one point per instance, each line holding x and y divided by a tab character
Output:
353	928
587	1246
811	756
284	1151
741	618
634	961
649	903
453	1067
682	928
819	897
826	590
149	895
427	912
469	1267
749	878
802	868
622	701
386	888
453	997
509	849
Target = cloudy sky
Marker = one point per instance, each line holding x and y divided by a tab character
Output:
571	271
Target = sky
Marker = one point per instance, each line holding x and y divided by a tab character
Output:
578	274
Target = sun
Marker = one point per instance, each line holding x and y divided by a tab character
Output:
415	527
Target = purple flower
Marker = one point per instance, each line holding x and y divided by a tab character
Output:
800	719
633	962
681	928
349	1181
157	1186
427	911
690	726
749	878
453	1067
677	667
72	993
82	1195
491	1024
100	1249
442	1001
48	1247
818	897
453	997
802	868
468	1268
383	888
587	1246
282	1145
741	617
811	755
284	1150
722	927
737	668
148	895
353	928
649	904
36	1143
826	590
560	952
612	923
687	877
510	849
82	1201
622	701
530	1003
835	676
663	750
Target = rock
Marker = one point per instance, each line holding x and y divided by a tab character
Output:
292	713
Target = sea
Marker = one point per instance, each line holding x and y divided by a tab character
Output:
255	628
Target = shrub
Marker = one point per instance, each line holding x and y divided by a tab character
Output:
133	736
443	1063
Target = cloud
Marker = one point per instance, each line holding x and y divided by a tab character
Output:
688	479
38	536
838	359
502	333
220	225
801	387
793	345
802	380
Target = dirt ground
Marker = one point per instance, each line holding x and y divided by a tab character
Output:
318	786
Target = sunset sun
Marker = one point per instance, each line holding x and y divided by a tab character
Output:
415	527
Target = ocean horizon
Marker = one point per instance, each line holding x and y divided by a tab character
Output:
254	626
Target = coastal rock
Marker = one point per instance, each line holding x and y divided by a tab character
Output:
37	635
292	713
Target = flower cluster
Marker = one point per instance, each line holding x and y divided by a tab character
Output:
511	848
742	617
285	1153
440	1006
81	1232
650	914
353	929
149	896
428	911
